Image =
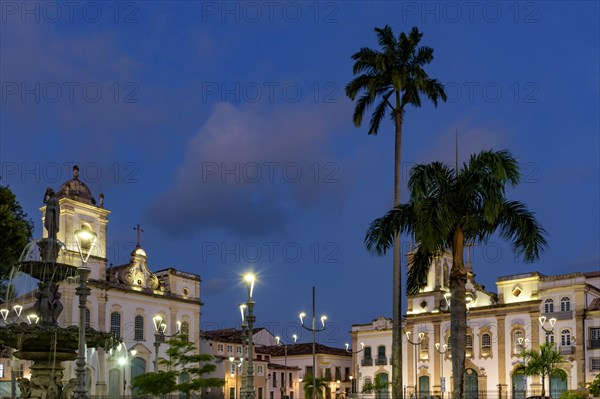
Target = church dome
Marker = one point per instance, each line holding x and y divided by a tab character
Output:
76	190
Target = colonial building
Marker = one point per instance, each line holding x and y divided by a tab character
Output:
276	375
124	299
500	326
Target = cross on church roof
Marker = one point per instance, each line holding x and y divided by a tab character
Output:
139	231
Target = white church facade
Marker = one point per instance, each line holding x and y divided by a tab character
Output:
124	299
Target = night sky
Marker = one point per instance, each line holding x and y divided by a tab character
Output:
223	129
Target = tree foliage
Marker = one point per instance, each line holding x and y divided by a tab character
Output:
375	386
321	384
594	387
449	208
545	362
388	79
15	231
183	360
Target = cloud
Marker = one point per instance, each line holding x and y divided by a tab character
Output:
249	169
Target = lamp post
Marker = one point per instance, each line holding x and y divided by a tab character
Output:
237	364
415	343
85	239
248	391
313	330
548	331
159	336
283	386
13	377
362	348
442	352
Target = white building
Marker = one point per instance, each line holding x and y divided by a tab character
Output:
272	367
124	299
497	323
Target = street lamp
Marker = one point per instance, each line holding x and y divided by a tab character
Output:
159	336
86	239
247	314
313	329
442	352
237	364
362	348
548	331
415	343
283	386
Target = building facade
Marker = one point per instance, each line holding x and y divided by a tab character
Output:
279	372
124	299
500	326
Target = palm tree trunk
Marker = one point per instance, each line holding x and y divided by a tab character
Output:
544	384
458	313
397	392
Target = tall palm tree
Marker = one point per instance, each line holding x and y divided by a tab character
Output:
393	77
546	363
320	383
448	208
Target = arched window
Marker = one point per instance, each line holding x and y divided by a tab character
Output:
380	353
115	324
518	335
88	317
486	342
185	330
424	348
565	338
368	356
565	304
138	328
469	346
549	306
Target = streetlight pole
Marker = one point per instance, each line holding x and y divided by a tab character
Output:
85	239
415	343
442	352
248	392
548	331
314	330
237	364
283	386
362	348
159	336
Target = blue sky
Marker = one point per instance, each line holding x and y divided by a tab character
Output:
223	129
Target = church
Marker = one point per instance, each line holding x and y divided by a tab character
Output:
125	299
500	325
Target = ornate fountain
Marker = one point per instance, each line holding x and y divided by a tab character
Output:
41	340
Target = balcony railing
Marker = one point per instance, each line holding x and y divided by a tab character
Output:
594	344
381	361
567	350
366	362
567	315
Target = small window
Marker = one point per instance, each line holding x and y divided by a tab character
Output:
595	364
219	347
565	338
486	341
238	350
469	341
448	343
595	334
185	328
138	330
518	336
115	324
380	353
565	304
229	347
368	353
548	306
186	292
550	337
274	378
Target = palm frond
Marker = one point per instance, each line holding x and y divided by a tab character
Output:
416	277
519	225
382	231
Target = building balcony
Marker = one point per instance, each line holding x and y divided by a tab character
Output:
567	350
567	315
366	362
594	344
381	361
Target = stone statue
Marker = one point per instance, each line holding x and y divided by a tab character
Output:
48	306
51	220
24	387
67	392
